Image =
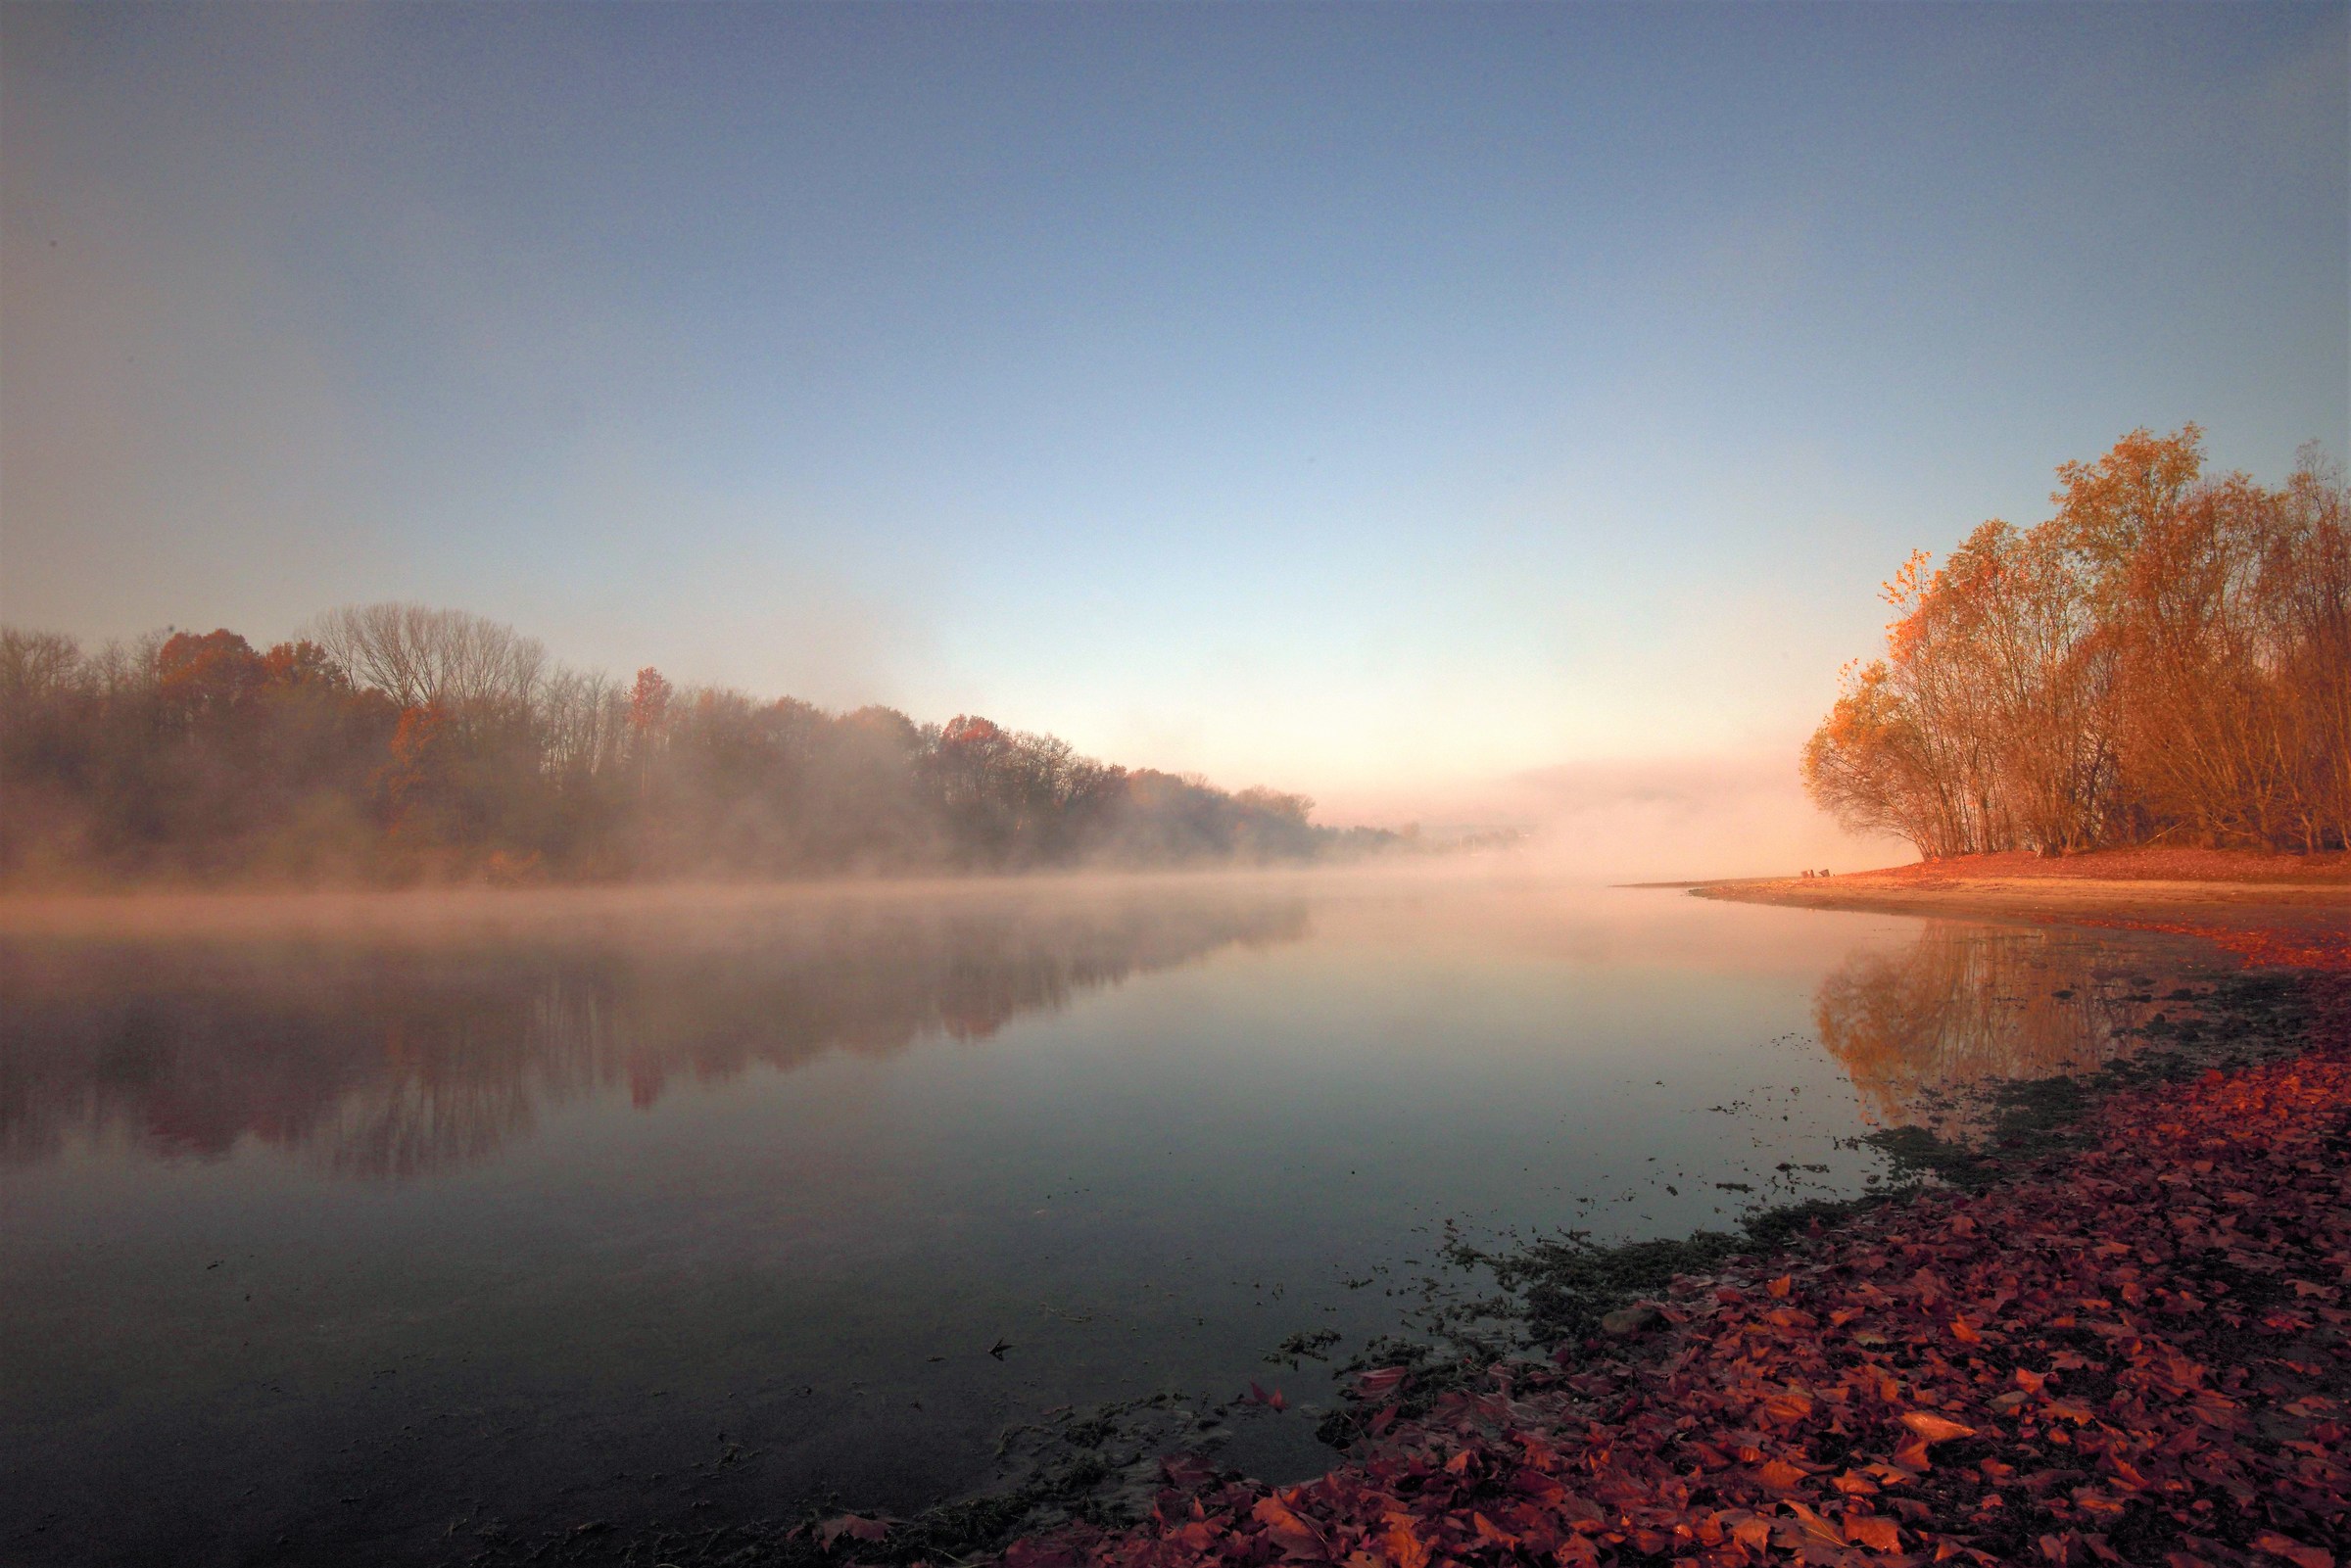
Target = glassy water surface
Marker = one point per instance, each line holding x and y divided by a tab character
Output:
362	1223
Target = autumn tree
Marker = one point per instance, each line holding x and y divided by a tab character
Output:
2302	596
205	676
474	669
2164	658
1867	765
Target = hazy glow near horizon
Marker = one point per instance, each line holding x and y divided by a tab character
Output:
1470	411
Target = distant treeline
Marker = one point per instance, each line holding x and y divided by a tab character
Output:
397	742
2166	659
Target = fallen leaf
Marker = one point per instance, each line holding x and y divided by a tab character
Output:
1871	1530
1401	1545
856	1526
1935	1428
1295	1536
2293	1551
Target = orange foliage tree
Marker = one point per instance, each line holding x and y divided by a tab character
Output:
2167	657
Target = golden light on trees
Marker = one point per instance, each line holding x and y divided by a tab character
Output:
2166	658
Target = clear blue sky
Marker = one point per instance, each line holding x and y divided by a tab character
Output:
1375	401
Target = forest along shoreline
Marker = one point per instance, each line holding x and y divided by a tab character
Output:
2111	1328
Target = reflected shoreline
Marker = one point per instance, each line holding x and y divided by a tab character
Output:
388	1035
804	1301
1968	1005
384	1057
436	913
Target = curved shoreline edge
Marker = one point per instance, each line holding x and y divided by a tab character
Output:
2116	1332
2297	917
2130	1344
1595	1440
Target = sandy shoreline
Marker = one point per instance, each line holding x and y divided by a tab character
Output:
2024	897
2288	910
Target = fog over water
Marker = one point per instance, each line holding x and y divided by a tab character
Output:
351	1220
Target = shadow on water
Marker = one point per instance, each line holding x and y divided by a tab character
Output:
394	1061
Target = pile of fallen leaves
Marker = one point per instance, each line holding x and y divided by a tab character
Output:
2138	1356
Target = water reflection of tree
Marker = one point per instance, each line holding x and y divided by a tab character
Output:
394	1061
1966	1005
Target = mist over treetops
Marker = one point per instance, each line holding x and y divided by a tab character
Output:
399	742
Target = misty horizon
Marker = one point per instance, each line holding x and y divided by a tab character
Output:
1492	415
1173	782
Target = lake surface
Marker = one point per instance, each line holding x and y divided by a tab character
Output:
360	1226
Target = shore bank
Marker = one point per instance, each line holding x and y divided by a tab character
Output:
2133	1350
2291	910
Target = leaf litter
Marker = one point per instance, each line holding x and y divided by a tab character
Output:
2111	1328
2127	1343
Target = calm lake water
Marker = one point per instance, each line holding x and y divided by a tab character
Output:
357	1226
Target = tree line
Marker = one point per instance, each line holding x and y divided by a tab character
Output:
400	743
2167	659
